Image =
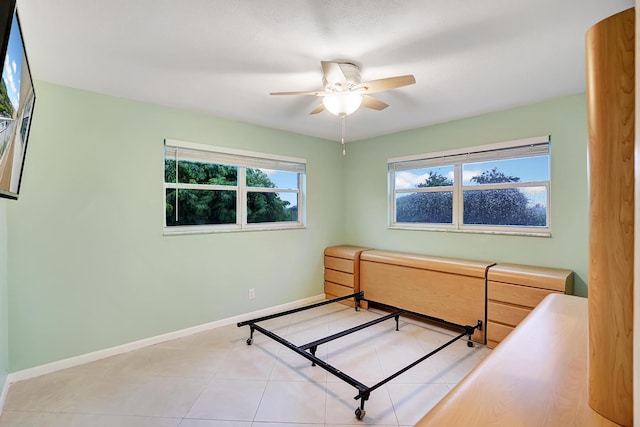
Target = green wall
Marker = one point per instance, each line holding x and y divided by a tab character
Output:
90	268
4	314
564	119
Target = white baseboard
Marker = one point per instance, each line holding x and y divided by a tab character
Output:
3	396
108	352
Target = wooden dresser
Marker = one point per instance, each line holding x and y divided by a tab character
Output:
342	271
514	290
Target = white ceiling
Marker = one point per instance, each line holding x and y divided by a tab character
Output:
223	57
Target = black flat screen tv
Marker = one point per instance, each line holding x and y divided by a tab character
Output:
17	99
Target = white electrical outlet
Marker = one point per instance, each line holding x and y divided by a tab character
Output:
252	293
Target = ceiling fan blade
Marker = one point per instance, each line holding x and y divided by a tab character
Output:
388	83
318	109
371	102
333	73
314	93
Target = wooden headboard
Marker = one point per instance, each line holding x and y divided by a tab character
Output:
446	288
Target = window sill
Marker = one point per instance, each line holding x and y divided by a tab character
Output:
545	233
178	231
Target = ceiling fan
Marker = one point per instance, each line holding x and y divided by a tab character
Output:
344	91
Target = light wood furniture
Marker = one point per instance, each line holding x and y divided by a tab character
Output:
536	377
611	121
446	288
342	271
513	290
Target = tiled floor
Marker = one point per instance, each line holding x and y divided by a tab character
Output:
214	379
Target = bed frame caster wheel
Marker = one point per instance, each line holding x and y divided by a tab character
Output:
360	413
249	341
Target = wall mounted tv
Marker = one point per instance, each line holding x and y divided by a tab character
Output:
17	99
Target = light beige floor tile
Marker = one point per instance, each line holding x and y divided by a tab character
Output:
453	368
48	393
225	399
351	318
296	368
293	402
48	419
131	395
395	360
214	423
430	339
401	348
368	424
359	360
159	361
258	338
106	366
142	396
279	325
249	362
316	326
358	342
212	340
412	401
482	352
341	406
365	423
261	424
401	341
300	338
215	379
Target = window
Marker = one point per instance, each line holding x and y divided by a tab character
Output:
501	188
210	189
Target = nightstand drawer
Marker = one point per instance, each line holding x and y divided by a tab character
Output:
338	277
515	294
505	313
497	332
337	290
340	264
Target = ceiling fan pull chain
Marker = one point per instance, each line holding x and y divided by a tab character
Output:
342	118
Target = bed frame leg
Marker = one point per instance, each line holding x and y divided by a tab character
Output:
357	299
397	317
469	330
360	412
313	352
250	339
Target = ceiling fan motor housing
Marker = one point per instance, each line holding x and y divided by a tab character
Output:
351	79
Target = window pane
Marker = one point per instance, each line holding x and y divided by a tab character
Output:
271	207
427	177
199	207
527	169
433	208
270	178
506	206
200	173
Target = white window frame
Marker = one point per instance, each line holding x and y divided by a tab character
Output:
242	159
500	151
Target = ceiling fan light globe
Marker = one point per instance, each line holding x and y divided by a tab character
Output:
342	103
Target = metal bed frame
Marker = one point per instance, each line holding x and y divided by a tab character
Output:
308	350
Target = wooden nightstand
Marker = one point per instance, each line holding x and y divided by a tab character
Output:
514	290
342	271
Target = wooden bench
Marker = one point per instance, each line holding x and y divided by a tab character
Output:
537	376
